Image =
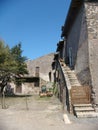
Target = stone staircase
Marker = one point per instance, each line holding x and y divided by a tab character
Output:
70	76
84	110
79	96
81	103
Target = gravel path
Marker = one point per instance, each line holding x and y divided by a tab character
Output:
42	114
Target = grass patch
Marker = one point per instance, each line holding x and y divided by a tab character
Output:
44	98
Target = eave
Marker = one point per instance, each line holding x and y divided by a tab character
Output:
71	16
74	8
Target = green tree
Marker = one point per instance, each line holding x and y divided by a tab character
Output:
21	67
11	61
12	64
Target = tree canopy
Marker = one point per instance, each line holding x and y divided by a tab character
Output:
12	63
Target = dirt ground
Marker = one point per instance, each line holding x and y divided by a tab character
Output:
35	113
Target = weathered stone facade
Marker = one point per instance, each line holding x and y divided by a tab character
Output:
91	10
83	40
80	49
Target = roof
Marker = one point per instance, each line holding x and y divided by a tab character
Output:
71	16
74	8
28	79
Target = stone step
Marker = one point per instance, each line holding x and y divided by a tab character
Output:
82	105
74	81
83	109
72	77
67	69
91	114
71	74
74	84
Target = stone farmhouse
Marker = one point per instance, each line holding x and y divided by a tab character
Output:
76	58
39	74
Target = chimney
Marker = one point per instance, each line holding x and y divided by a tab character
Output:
37	71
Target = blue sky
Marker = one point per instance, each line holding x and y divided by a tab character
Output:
34	23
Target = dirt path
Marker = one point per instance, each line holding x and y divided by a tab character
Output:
43	114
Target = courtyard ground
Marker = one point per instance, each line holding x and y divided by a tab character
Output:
35	113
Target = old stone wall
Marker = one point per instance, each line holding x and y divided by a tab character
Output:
73	37
28	88
44	64
78	41
82	61
91	10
